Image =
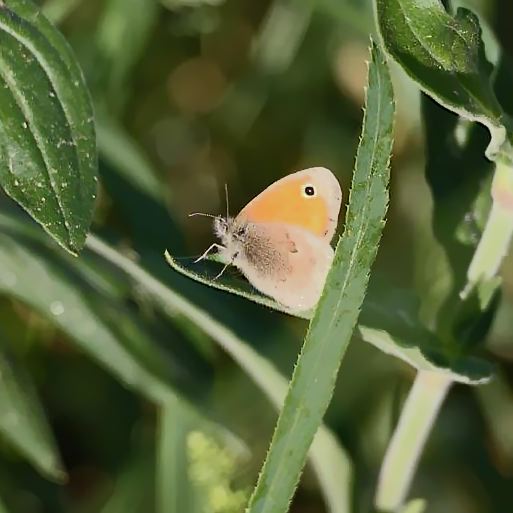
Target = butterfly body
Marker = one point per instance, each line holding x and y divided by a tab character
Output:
281	240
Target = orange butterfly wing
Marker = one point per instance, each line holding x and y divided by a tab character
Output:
284	202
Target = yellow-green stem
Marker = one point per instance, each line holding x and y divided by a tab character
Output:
496	238
417	417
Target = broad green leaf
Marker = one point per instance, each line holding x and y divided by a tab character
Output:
47	139
336	315
444	54
23	423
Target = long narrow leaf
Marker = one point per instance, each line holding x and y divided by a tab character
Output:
82	307
333	323
23	423
173	489
327	456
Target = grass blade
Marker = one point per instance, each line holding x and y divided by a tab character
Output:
333	323
173	489
23	423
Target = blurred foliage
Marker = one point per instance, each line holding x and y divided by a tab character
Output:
188	96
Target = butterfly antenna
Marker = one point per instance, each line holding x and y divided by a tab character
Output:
202	214
227	201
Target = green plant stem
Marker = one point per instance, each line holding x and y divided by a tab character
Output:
172	481
414	506
417	417
496	238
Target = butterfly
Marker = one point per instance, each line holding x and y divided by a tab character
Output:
280	240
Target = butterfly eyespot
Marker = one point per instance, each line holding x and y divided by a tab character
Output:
309	191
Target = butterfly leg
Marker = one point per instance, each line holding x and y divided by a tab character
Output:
208	251
225	266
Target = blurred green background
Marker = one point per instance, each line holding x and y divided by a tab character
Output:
191	95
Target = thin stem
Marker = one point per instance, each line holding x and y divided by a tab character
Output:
415	506
418	415
172	481
496	238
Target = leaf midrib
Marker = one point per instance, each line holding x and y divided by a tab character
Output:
41	60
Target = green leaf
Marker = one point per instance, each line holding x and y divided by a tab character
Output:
72	296
81	313
389	321
47	141
23	422
445	55
330	462
173	486
68	298
335	318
